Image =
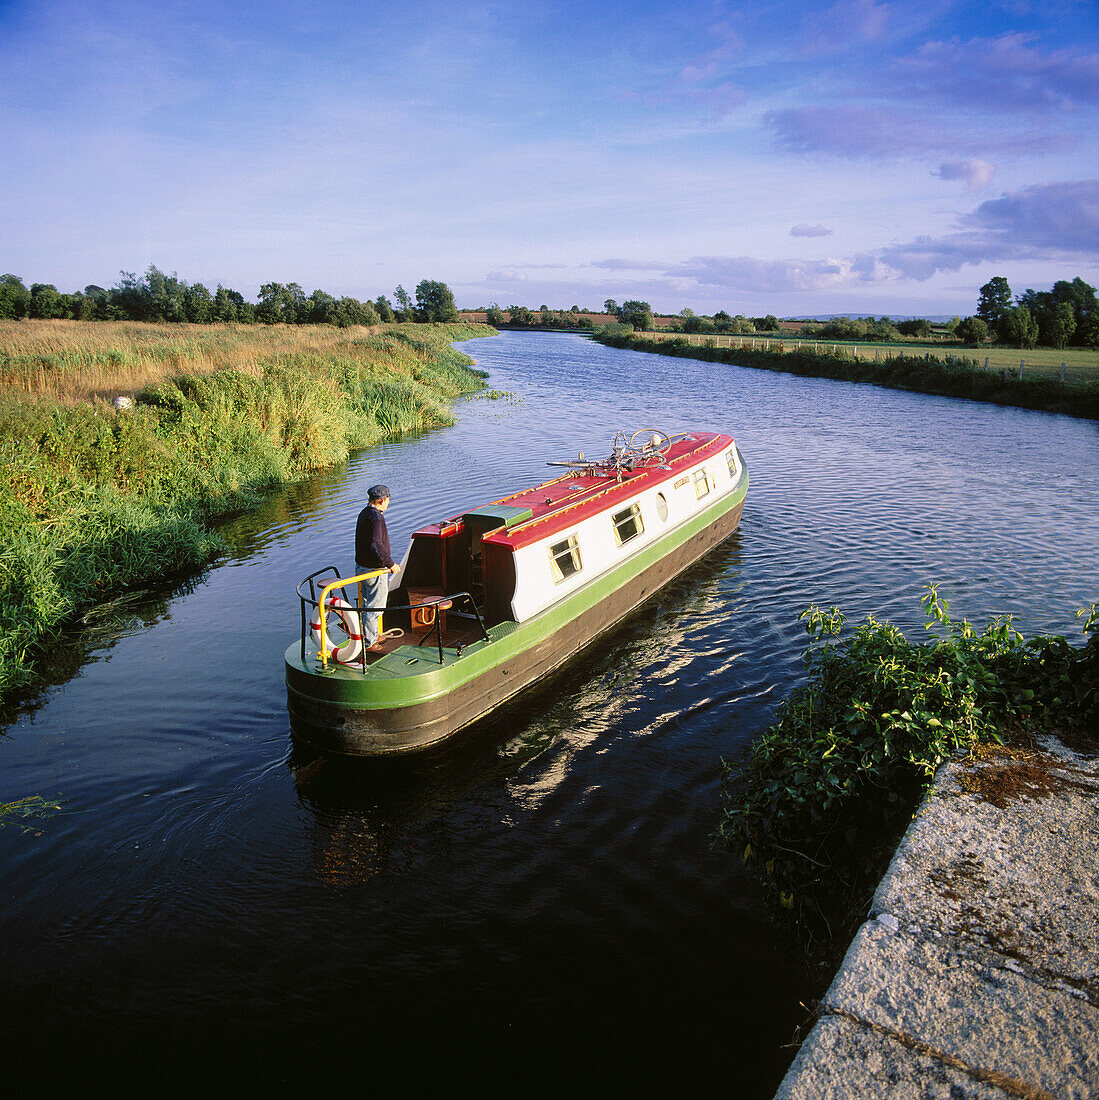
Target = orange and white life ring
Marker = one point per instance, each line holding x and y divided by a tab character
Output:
352	626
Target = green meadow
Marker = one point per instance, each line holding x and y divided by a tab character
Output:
950	372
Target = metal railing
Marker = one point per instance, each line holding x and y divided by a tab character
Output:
317	603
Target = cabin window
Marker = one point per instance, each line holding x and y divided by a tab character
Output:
628	524
565	559
662	507
702	483
734	465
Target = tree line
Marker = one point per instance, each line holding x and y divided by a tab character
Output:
156	296
1066	314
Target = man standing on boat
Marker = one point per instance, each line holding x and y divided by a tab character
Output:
372	552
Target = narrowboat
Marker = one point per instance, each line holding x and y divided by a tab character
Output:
493	599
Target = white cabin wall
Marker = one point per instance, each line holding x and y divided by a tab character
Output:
535	589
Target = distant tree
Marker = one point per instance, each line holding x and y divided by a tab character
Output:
403	310
1087	335
45	301
637	314
320	308
972	330
350	311
198	304
100	299
15	298
766	324
1080	296
164	296
1060	327
574	309
697	324
610	306
385	310
995	301
435	302
520	315
1018	328
130	297
495	316
918	327
229	306
846	328
282	303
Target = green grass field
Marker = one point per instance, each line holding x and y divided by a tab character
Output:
1081	364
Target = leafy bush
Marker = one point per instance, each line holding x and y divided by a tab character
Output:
828	788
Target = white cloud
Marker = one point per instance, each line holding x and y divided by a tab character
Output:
802	230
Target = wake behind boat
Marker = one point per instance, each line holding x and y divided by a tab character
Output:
494	599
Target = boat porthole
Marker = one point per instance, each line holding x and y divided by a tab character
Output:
662	507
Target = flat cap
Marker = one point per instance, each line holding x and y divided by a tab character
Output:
378	492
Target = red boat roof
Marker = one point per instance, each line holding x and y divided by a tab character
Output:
560	504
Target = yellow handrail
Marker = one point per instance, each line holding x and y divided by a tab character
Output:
322	614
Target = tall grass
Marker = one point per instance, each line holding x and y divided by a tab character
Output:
93	500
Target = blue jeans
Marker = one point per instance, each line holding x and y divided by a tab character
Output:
375	594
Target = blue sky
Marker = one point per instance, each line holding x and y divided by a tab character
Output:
761	157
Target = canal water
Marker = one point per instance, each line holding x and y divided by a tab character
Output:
539	906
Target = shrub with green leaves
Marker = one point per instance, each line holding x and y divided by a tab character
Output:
826	790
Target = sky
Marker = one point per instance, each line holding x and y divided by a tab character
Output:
761	157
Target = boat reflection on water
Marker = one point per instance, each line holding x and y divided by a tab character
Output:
374	816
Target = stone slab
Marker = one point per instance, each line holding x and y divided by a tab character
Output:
841	1060
979	974
988	1018
1019	879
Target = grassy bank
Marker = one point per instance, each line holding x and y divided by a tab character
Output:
1080	364
960	377
94	500
827	790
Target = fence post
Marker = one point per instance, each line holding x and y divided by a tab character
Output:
1021	364
986	362
1062	374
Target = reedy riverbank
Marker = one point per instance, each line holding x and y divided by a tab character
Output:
94	501
957	378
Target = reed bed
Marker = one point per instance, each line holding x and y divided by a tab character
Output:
73	361
94	501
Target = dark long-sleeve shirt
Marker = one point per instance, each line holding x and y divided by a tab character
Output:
372	540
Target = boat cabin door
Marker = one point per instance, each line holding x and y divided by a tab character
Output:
492	579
